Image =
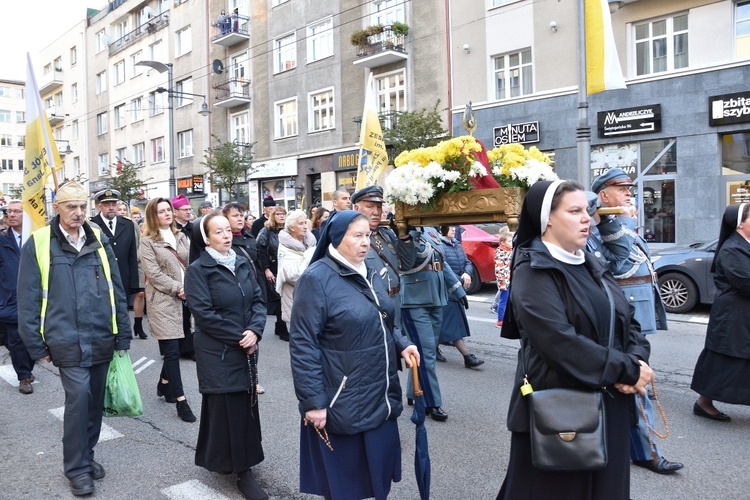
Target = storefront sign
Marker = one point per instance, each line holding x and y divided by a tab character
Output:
522	133
185	186
282	167
739	192
198	184
629	121
347	160
96	186
729	108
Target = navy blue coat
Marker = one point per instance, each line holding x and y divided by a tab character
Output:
9	258
343	350
224	305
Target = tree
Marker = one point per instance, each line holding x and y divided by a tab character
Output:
416	129
228	164
127	181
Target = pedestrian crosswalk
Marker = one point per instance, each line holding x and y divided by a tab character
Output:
107	433
141	364
193	489
8	374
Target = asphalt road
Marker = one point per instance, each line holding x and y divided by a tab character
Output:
152	456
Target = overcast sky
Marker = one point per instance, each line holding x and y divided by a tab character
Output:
31	25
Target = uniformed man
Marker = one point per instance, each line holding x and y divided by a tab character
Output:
121	233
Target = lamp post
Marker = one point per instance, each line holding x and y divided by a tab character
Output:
161	68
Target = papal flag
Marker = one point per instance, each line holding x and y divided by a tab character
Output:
603	70
41	156
372	155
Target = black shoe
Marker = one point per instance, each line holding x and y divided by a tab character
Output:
437	414
163	390
249	487
97	471
650	394
284	336
82	485
439	355
721	417
471	361
410	401
184	411
141	334
662	466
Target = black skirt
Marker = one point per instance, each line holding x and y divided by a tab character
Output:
229	437
722	378
455	325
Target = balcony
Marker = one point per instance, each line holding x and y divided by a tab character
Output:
380	49
51	81
234	31
148	28
387	119
55	115
233	92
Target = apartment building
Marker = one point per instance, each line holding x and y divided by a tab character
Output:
12	133
681	129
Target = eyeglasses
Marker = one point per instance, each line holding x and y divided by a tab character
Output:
185	209
15	211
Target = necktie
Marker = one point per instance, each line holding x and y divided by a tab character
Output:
19	241
111	226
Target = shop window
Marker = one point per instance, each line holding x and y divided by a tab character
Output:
282	191
735	167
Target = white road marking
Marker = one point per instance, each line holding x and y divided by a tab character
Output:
106	434
192	489
145	365
483	320
141	360
9	374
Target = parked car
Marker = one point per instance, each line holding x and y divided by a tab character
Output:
685	277
479	241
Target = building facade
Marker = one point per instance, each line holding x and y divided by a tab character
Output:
12	137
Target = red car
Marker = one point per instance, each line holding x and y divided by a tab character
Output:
479	241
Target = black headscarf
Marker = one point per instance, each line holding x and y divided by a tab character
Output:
729	224
333	232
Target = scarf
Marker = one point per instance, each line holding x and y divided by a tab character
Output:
227	260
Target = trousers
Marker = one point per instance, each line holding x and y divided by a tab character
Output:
19	356
170	368
82	423
422	325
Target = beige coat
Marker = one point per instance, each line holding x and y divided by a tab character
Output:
293	258
164	278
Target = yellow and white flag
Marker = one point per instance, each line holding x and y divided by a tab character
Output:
373	157
41	156
603	71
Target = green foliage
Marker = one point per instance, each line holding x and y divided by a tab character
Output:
127	181
416	129
400	29
228	164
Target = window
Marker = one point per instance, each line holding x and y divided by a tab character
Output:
285	53
74	92
4	91
5	116
19	93
139	154
120	157
101	123
157	150
156	51
73	56
321	114
391	96
77	165
120	28
320	40
58	63
387	12
742	30
7	164
102	162
59	99
119	116
240	131
47	69
136	106
6	140
118	73
661	45
156	103
286	118
185	144
74	129
21	141
101	82
513	75
100	41
20	116
134	69
185	85
183	42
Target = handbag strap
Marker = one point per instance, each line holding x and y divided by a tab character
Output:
184	266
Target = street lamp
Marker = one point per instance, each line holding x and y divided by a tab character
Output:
171	93
67	150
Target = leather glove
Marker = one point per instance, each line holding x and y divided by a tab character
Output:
464	301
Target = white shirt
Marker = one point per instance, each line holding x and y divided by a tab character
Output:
16	236
81	238
113	222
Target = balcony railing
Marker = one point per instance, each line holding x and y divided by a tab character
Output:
149	27
234	30
388	120
383	48
232	92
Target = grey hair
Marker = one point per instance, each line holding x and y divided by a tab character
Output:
292	218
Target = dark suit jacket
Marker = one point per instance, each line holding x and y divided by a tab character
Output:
124	246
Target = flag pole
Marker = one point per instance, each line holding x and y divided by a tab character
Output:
583	132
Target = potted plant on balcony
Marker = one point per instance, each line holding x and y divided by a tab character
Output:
400	29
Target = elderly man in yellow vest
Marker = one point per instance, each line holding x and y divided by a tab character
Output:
72	311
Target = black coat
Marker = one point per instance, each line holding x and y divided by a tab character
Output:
10	255
258	224
224	305
563	344
124	245
338	343
729	324
267	243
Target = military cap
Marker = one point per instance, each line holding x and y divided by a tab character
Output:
369	193
612	177
206	204
107	195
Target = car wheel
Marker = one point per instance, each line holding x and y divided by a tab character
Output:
476	282
678	292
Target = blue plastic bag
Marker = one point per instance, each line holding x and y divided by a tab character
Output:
122	397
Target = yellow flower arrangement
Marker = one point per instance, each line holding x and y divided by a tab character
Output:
515	166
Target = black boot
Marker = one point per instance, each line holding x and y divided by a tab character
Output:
184	411
249	487
138	328
283	332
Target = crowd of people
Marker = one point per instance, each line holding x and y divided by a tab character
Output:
355	298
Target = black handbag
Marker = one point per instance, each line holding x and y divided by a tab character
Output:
568	426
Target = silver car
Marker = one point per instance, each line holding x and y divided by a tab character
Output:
685	277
